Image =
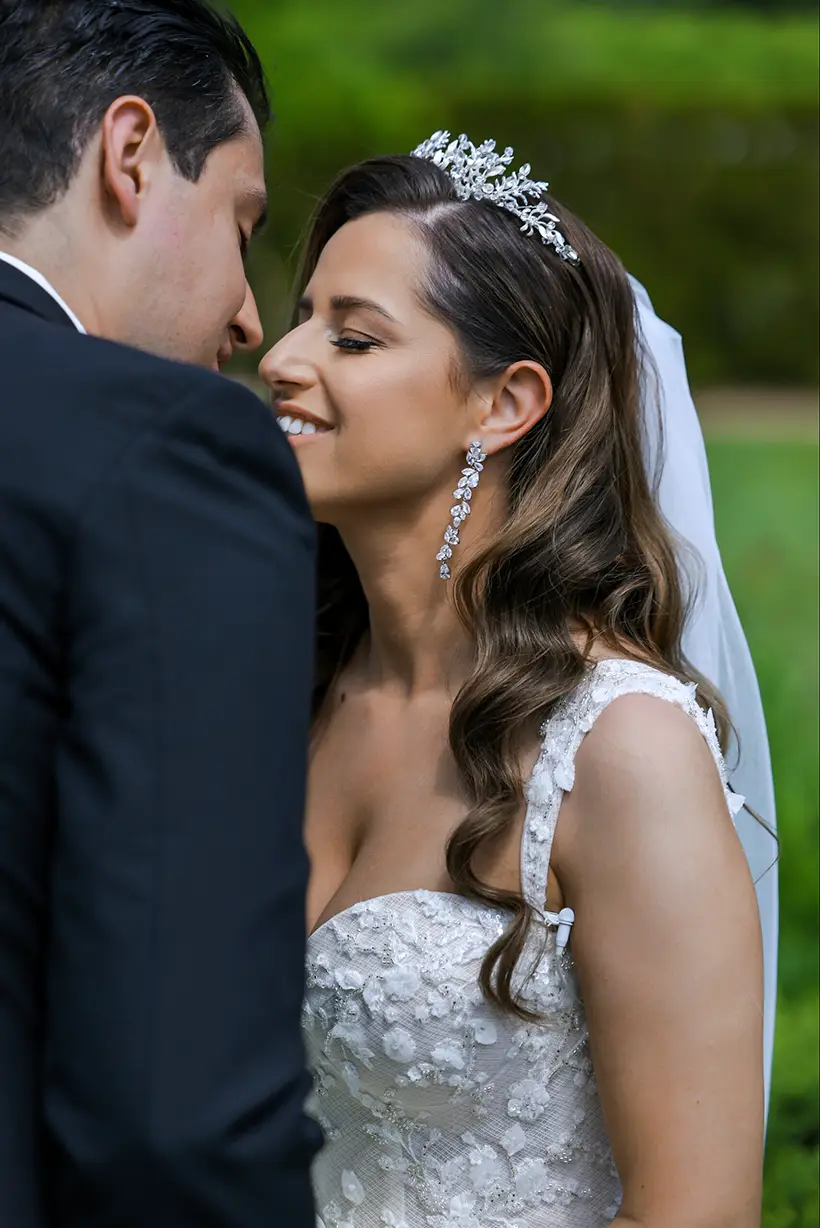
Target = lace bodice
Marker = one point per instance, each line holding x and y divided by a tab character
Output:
439	1110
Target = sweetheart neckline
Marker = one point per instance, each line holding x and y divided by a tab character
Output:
392	895
551	917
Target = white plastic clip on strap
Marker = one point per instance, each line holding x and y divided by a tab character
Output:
566	919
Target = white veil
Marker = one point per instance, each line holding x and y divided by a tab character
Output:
713	640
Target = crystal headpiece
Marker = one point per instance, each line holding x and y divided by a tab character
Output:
477	173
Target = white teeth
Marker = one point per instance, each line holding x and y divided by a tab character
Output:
297	426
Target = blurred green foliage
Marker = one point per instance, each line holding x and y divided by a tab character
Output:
766	506
687	140
564	50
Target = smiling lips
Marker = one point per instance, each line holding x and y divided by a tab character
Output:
299	422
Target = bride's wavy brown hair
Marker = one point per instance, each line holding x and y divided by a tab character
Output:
583	542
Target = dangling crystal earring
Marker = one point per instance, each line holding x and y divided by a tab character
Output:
464	492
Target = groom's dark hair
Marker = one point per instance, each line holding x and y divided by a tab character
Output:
63	62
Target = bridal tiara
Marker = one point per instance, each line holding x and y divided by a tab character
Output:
477	173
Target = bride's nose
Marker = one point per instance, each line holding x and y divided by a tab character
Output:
286	366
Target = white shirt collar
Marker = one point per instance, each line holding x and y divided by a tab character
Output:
44	285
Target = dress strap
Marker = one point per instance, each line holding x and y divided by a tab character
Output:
563	733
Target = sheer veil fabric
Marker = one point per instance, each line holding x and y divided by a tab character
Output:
714	641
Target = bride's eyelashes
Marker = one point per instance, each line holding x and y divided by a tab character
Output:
355	345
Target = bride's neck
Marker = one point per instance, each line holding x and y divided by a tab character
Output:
416	641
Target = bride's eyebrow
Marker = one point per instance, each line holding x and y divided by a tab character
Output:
351	302
347	302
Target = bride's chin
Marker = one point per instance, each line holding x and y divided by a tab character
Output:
326	503
335	513
321	509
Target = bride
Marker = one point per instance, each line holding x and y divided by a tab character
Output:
535	981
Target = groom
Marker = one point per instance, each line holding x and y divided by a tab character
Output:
156	606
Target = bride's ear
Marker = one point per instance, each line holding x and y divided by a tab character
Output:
515	402
131	145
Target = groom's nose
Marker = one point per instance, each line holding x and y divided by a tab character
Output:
246	328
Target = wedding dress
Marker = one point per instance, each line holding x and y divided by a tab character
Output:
440	1110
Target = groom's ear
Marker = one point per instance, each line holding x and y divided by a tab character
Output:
132	148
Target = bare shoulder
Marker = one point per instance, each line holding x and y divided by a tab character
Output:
642	737
646	777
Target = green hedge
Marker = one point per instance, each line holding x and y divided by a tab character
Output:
571	49
689	142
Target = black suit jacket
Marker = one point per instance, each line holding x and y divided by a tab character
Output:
156	615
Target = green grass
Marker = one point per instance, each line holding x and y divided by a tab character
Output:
766	505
